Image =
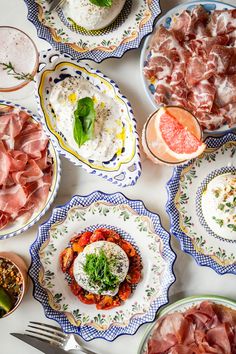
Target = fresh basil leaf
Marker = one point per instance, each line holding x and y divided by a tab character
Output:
102	3
85	115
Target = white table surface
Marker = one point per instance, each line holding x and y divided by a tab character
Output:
191	279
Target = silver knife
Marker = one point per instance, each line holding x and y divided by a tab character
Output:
40	344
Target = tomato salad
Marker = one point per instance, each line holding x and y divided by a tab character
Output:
77	245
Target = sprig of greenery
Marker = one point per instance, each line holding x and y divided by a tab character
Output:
97	267
85	115
19	76
102	3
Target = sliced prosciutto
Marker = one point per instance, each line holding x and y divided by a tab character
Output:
193	64
26	167
205	328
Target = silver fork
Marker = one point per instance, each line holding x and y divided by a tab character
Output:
55	4
55	336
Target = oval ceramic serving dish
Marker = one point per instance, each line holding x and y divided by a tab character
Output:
123	169
125	33
133	222
189	223
166	21
15	228
182	306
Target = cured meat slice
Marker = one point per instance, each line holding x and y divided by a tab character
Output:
32	143
202	96
232	65
18	160
222	22
197	70
202	45
159	65
187	23
31	173
203	329
25	166
218	338
229	113
163	91
4	219
163	39
219	59
225	90
12	199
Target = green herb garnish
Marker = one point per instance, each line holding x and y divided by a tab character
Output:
12	72
97	267
232	226
102	3
85	115
218	221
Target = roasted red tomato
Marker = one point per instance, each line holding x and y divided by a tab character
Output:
108	303
128	248
84	240
66	259
87	298
75	238
135	262
134	276
97	236
75	288
124	291
109	233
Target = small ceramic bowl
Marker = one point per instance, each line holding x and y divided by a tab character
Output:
19	263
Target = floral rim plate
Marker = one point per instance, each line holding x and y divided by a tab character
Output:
122	170
117	212
181	306
185	191
17	228
166	20
126	32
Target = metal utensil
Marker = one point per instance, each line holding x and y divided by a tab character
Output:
41	345
54	336
55	4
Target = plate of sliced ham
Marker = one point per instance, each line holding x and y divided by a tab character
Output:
197	324
190	61
29	170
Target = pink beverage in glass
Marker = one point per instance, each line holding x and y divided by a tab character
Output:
154	148
17	48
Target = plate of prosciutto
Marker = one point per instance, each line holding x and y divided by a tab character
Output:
92	270
29	170
190	61
197	324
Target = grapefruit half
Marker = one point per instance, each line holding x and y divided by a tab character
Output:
180	142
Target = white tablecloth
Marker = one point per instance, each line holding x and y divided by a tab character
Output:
191	279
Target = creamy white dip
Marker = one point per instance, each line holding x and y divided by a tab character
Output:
90	16
108	136
119	265
219	205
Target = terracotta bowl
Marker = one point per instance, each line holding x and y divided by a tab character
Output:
22	268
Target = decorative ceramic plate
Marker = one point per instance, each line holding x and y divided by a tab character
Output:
134	223
15	228
123	169
182	306
191	220
125	33
166	21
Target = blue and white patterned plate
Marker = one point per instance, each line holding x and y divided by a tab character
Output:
17	227
123	169
166	21
189	223
182	306
134	222
126	32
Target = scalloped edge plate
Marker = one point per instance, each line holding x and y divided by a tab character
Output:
55	184
88	332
